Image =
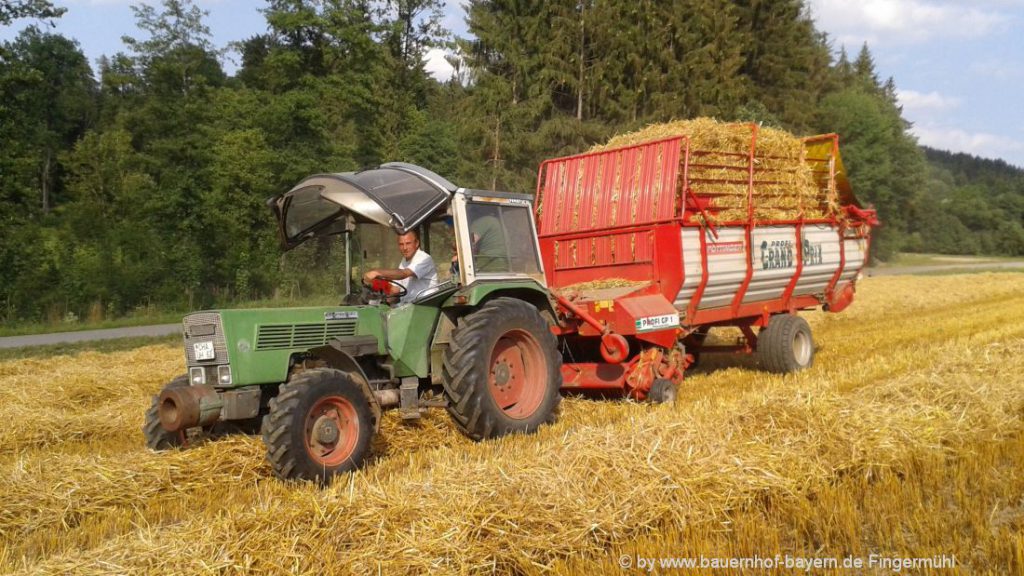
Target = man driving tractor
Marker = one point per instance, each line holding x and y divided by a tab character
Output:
416	272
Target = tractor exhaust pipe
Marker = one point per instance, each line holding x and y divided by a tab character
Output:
188	407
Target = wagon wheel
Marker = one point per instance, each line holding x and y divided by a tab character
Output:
663	391
694	343
785	345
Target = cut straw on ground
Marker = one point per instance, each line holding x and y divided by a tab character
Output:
902	378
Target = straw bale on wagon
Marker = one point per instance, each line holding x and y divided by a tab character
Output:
784	184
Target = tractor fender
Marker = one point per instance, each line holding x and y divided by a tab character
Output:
472	297
342	360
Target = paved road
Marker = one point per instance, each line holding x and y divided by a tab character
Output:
168	329
86	335
965	266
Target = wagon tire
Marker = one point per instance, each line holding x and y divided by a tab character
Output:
319	426
502	371
785	345
663	391
157	437
694	345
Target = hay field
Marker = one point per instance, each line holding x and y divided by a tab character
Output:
906	439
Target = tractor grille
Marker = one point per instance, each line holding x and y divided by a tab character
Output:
289	336
204	326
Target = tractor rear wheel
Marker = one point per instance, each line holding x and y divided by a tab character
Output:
319	425
785	345
158	437
502	371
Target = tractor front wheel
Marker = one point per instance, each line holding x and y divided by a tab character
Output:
502	371
320	425
158	437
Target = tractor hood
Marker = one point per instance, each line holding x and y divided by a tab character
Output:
396	195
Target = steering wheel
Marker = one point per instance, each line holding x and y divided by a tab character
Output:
385	287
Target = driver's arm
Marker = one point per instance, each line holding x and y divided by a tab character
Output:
389	274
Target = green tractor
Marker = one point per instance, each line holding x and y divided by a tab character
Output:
314	381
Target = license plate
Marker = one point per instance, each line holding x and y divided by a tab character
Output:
657	322
204	350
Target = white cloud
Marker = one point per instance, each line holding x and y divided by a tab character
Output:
978	143
455	18
998	69
902	21
437	66
915	102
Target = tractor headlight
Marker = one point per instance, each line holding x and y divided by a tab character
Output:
224	374
197	375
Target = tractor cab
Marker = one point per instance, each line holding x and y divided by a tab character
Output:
471	235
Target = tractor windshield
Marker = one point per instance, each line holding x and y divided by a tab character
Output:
307	209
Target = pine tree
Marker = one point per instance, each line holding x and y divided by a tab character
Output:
885	164
787	60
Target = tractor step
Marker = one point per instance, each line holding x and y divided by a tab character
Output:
409	399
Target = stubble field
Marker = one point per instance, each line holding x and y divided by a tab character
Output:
905	440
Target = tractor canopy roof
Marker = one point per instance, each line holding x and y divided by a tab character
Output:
396	194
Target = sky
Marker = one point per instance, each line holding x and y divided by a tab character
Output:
958	65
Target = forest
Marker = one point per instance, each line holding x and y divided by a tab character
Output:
141	181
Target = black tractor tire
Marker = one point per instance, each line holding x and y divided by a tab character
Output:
502	371
785	345
158	437
663	391
313	407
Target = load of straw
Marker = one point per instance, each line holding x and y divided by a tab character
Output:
603	283
784	185
81	495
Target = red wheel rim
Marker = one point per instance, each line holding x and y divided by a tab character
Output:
331	430
517	375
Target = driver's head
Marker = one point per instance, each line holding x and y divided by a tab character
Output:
408	244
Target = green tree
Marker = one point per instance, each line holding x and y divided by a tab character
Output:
1009	238
787	60
111	254
49	100
178	53
242	250
939	231
885	163
11	10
